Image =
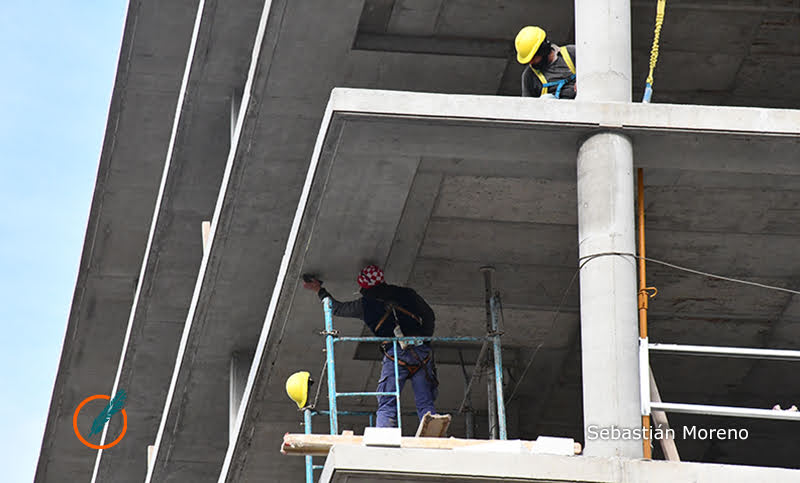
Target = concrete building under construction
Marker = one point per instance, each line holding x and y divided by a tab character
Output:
251	141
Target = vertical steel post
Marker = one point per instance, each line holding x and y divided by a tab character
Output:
469	418
397	386
498	367
644	359
491	389
334	417
309	458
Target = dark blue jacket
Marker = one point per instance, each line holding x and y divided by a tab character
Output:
383	306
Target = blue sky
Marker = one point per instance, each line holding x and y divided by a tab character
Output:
57	66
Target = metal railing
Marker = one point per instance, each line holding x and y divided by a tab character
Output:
711	351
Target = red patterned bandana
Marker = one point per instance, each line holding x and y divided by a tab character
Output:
370	276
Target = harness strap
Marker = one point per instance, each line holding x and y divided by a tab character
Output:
565	55
412	368
383	319
541	77
413	316
390	309
557	84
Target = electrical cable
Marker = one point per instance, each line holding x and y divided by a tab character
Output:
589	258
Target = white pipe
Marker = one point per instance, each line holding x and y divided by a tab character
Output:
736	352
726	411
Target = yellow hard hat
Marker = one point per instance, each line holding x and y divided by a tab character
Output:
528	41
297	387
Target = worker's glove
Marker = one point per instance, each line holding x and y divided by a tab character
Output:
312	284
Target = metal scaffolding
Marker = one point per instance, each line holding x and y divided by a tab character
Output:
497	418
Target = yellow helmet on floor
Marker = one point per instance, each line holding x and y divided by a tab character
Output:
297	387
528	41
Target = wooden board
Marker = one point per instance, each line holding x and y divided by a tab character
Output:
434	425
320	444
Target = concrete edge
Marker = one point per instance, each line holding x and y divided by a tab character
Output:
742	120
243	118
537	467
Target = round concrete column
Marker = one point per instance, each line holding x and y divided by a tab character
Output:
603	49
609	329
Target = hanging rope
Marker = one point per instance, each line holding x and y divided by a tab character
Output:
648	89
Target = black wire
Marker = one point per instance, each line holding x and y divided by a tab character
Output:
589	258
584	260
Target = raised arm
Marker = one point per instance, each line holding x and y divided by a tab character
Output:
353	308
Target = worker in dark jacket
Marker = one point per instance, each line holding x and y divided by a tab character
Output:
393	311
550	70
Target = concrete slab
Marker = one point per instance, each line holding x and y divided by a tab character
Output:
215	70
379	134
152	56
356	464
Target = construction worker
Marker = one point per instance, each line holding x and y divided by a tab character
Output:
551	69
393	311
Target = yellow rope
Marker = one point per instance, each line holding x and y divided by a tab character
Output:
660	9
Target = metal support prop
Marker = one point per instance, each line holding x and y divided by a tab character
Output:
491	389
309	458
334	419
494	303
469	421
644	359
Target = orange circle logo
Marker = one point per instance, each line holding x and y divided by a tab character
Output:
78	433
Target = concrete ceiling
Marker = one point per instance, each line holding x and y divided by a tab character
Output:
712	51
445	191
724	53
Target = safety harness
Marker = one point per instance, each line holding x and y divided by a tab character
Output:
412	368
557	84
392	309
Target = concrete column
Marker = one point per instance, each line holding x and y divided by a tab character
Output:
609	327
603	49
240	369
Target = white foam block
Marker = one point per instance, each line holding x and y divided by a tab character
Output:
382	437
552	445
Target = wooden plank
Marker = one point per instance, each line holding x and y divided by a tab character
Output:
660	421
434	425
320	444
